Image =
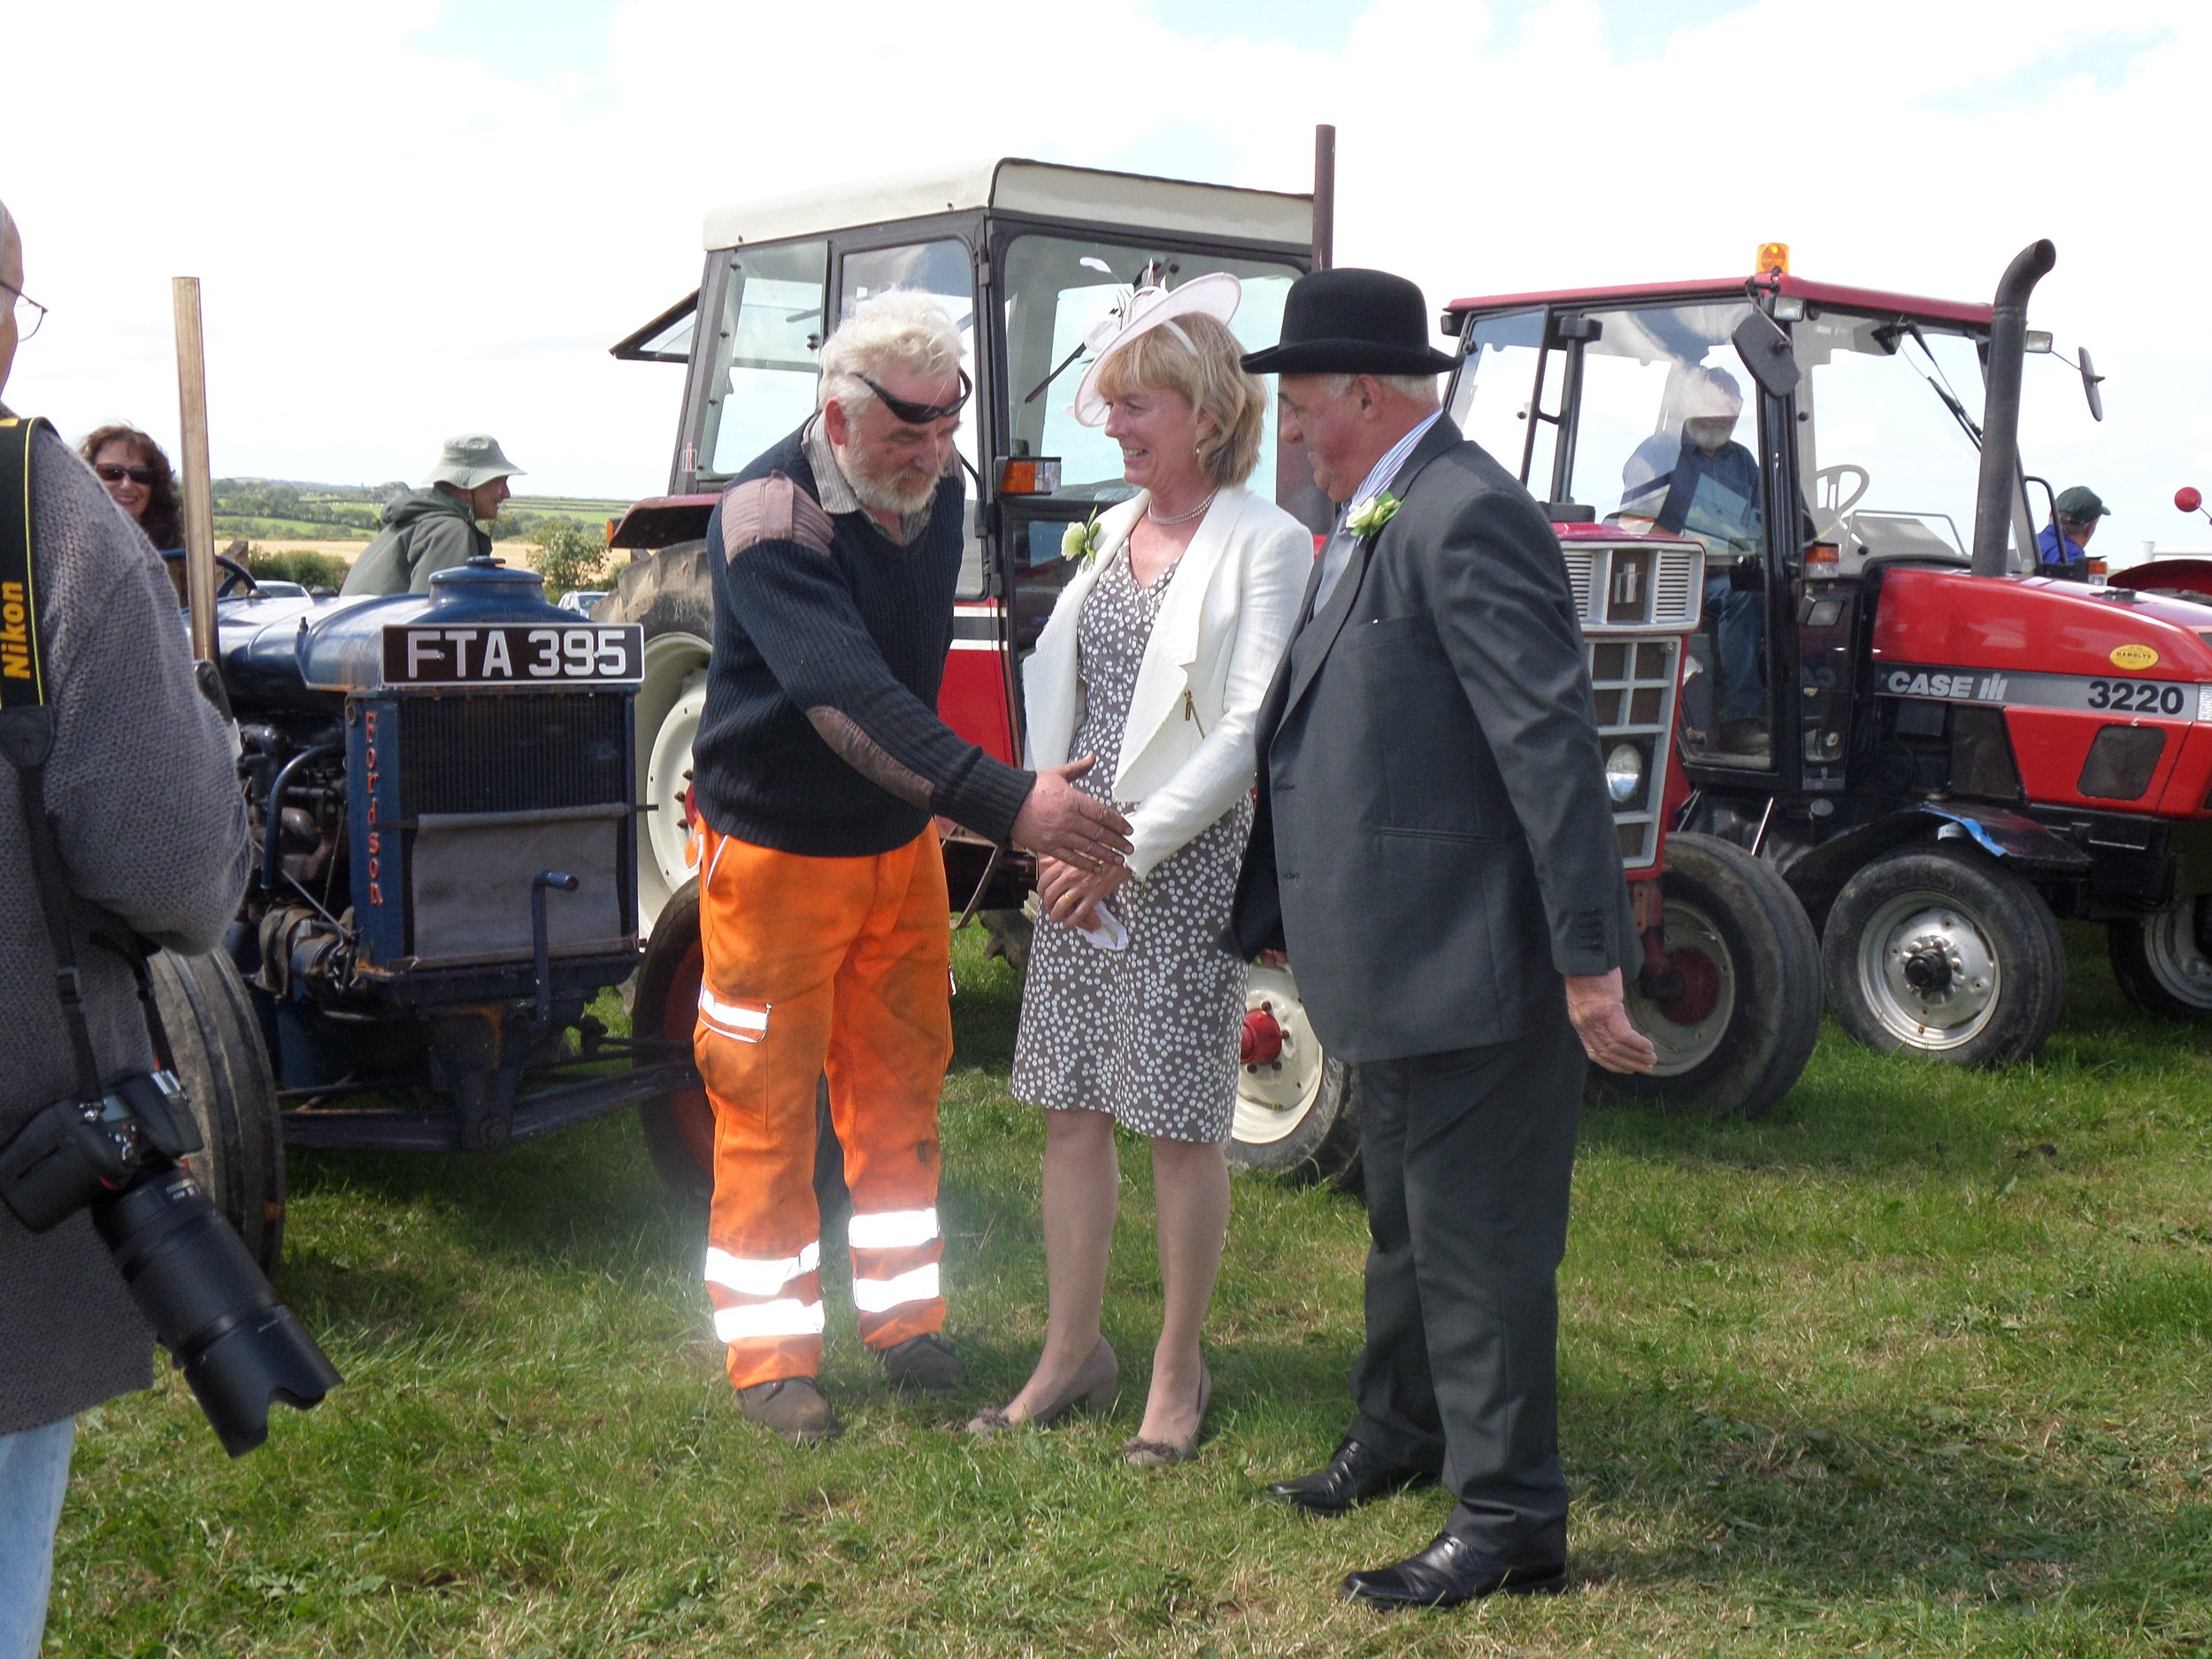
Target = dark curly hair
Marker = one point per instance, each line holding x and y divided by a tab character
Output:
162	520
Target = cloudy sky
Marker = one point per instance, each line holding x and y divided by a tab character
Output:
413	217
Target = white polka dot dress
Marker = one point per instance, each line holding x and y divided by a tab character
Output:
1148	1032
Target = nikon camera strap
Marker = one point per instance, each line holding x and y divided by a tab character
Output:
26	727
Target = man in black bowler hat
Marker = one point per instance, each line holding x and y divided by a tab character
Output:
1434	849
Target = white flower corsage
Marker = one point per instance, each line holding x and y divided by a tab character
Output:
1080	541
1371	515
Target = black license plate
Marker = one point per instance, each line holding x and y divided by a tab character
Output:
513	653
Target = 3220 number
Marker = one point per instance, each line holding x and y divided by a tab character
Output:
2136	696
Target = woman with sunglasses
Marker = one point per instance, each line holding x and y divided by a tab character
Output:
1156	659
137	476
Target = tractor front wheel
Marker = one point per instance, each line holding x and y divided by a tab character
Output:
2163	963
1297	1110
1735	1012
1943	954
215	1039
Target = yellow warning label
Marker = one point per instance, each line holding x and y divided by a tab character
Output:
2134	657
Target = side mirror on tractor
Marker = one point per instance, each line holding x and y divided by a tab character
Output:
1765	349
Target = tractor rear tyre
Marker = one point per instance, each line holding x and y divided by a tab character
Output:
1943	954
215	1039
1735	1015
1297	1114
2161	961
679	1125
670	595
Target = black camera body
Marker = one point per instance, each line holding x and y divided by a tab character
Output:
75	1151
122	1157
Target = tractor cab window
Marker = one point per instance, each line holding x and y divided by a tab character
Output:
943	270
1057	288
1665	441
761	386
1887	455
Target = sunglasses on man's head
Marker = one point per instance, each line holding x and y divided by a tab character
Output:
922	414
114	475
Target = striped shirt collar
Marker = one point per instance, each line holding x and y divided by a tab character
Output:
835	490
1393	459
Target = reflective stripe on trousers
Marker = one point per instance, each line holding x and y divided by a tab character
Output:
815	965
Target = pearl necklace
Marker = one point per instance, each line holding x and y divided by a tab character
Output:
1181	518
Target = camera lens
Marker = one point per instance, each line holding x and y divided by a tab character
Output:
211	1307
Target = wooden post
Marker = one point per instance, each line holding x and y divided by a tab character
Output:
199	496
1323	197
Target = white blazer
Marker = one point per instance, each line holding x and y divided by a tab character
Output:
1186	748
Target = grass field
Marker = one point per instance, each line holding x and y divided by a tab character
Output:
1915	1366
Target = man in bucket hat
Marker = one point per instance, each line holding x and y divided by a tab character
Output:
434	526
1434	848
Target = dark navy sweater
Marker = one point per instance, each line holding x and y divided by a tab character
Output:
820	733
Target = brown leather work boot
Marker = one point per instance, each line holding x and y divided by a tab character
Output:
924	1364
792	1407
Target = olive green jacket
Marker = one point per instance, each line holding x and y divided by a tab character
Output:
424	531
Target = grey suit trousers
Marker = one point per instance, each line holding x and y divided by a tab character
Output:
1469	1155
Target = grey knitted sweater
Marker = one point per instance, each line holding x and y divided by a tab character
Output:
152	828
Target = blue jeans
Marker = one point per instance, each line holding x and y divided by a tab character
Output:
34	1469
1739	622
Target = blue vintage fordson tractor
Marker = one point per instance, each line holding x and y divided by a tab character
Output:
441	799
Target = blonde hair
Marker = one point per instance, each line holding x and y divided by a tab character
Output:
901	329
1197	356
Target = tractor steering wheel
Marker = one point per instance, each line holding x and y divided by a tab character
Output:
233	577
1830	503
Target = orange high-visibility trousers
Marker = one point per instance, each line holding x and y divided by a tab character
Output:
814	964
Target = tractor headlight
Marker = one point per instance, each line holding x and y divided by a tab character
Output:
1624	774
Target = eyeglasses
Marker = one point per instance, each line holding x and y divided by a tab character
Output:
922	414
114	475
38	312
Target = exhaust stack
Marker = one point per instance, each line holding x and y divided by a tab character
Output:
2000	407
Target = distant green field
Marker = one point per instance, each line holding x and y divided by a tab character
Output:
1915	1366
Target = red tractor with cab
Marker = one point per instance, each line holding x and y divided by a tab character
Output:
1027	257
1941	751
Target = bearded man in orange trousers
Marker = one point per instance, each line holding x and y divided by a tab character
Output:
819	764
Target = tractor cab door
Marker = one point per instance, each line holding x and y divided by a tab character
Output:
1645	418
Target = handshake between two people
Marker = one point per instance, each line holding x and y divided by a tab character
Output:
1081	844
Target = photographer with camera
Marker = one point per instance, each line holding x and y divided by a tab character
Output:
148	828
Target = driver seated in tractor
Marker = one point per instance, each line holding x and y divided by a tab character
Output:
1692	477
439	526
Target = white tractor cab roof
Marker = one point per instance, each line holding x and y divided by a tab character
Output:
1014	186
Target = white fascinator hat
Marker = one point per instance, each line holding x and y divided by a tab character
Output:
1215	294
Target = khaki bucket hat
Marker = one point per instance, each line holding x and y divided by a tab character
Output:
472	458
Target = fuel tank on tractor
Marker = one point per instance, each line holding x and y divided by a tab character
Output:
440	790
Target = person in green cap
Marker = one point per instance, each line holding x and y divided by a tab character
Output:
435	527
2062	550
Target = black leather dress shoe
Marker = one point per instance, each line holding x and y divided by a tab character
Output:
1449	1571
1355	1474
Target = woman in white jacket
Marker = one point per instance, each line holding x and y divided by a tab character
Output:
1154	662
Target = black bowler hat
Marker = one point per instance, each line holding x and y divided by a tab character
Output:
1353	322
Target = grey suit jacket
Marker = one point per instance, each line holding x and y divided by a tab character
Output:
1433	845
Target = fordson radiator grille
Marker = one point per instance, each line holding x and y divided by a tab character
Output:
506	752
